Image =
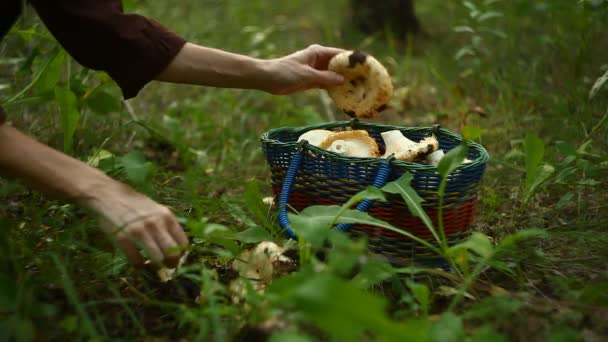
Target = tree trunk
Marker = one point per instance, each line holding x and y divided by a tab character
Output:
376	16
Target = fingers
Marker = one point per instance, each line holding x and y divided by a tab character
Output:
171	251
160	238
322	55
177	232
324	79
131	251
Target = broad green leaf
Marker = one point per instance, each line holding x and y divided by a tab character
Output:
102	102
422	294
478	243
100	155
372	272
327	301
452	160
253	202
534	150
253	234
402	187
136	167
543	173
69	115
449	328
50	74
472	133
345	253
370	193
314	220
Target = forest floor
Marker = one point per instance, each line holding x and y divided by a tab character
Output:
511	68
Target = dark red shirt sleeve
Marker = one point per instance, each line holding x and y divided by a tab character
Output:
131	48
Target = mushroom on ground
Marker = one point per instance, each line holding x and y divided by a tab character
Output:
256	268
351	144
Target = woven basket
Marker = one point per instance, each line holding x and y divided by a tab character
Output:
303	175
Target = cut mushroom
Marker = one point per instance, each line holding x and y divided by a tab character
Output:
316	136
351	144
406	150
395	142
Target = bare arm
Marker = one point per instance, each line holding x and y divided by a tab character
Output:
299	71
138	217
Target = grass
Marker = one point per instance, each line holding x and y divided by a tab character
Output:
62	278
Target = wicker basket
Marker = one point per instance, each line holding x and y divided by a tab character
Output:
320	177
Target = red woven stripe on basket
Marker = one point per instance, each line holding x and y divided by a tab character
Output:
456	219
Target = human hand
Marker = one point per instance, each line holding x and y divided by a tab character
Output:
137	223
302	70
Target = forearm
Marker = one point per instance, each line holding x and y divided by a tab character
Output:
212	67
46	169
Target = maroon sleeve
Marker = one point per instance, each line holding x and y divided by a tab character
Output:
131	48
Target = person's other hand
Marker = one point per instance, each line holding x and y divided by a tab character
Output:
302	70
139	225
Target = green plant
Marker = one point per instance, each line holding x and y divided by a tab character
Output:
479	29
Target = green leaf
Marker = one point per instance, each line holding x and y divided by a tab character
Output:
370	193
50	74
526	234
102	102
253	234
315	220
534	150
372	272
69	115
478	243
254	204
422	294
136	167
449	328
402	187
544	172
327	301
472	133
489	15
463	28
452	160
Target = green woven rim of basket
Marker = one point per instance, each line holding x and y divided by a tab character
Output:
356	124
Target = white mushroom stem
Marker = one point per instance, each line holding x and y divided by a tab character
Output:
315	137
435	157
396	142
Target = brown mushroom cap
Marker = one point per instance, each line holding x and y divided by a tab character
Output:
359	135
367	88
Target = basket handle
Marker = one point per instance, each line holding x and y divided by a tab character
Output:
296	160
